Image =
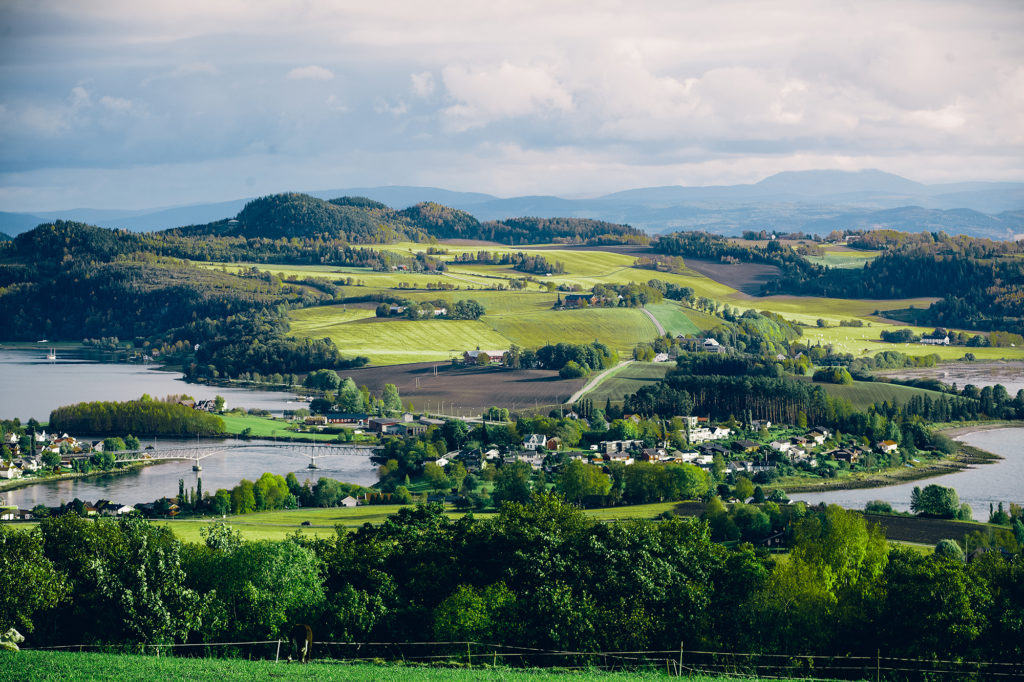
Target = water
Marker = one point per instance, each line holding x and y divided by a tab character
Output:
223	470
979	486
33	385
1009	374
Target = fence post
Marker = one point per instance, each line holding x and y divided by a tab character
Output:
469	655
679	673
878	664
277	656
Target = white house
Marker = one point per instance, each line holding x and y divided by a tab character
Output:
534	441
349	502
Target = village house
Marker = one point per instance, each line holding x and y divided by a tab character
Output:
703	434
888	446
610	447
818	435
850	455
748	445
534	441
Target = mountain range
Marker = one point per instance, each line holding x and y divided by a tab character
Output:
808	201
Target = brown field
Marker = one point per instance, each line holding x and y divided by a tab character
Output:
468	391
923	531
745	277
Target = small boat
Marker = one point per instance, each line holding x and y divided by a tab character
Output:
51	355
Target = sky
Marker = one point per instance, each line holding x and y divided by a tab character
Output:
138	104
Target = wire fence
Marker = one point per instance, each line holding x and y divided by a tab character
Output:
671	662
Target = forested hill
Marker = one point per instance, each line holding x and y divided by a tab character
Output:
358	220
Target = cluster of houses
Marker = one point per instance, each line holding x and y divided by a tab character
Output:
100	508
25	462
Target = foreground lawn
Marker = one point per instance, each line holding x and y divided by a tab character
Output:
277	525
28	666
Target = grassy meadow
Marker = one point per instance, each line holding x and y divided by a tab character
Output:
277	525
865	393
628	380
37	666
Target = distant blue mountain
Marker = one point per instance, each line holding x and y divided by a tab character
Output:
811	201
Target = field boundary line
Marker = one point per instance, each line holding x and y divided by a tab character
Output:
596	381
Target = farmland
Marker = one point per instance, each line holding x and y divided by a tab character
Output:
395	341
524	317
464	391
620	328
628	380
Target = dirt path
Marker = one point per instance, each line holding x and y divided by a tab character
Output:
595	381
648	313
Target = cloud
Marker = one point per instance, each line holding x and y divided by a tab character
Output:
115	103
309	73
422	83
184	71
486	94
529	96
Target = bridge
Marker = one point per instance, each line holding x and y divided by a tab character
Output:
197	453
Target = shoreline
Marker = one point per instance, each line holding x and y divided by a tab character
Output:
19	483
965	457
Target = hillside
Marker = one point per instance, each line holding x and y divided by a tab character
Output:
360	220
816	201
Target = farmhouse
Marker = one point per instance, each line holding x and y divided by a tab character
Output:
888	446
712	346
494	357
944	341
349	501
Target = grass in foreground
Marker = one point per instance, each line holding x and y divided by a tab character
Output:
277	525
29	666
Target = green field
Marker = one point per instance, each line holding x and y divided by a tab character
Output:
267	428
673	318
397	341
628	380
867	341
277	525
33	666
524	317
619	328
864	393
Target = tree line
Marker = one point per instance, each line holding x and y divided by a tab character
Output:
539	574
145	417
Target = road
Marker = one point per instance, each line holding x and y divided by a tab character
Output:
590	385
648	313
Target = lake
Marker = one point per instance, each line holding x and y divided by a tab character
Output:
35	385
223	470
978	486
